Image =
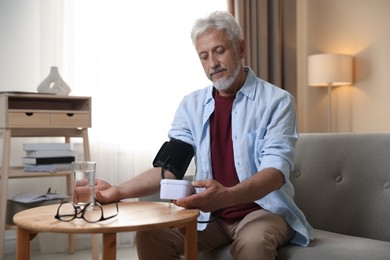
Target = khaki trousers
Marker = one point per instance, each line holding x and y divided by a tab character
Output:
257	236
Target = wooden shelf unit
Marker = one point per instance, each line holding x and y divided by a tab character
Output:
39	115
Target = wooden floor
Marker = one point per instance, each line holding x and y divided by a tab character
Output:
128	253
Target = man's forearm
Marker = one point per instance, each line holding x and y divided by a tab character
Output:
144	184
256	187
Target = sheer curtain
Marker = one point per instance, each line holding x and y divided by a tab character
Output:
136	60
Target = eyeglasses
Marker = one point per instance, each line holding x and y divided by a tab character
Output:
90	212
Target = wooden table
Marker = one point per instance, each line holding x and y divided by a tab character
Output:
133	216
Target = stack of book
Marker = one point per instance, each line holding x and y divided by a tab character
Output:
47	157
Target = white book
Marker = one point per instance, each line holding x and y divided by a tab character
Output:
47	167
45	146
49	153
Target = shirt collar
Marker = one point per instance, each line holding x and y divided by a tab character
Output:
247	89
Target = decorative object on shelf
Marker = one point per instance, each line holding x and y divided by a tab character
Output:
54	84
329	70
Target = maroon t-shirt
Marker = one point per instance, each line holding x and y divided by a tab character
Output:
222	159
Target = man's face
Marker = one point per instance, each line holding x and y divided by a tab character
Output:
220	60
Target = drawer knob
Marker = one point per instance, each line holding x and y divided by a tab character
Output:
69	114
29	113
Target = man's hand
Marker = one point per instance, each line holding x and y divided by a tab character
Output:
105	192
214	197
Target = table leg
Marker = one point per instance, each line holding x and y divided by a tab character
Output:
95	246
191	241
71	244
109	246
23	238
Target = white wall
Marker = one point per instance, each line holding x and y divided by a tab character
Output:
359	28
19	46
27	29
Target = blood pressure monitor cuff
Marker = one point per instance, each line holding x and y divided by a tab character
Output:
174	156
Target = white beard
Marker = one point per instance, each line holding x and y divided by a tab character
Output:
224	84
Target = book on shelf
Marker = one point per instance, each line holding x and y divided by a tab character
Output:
46	146
47	167
49	153
27	197
48	160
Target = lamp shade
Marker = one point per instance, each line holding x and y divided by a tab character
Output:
329	70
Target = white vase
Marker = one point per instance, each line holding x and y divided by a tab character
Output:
54	84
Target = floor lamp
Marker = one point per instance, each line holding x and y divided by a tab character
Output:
329	70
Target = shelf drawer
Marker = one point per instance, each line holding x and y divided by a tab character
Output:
71	119
28	119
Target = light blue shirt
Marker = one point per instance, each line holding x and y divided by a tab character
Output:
264	133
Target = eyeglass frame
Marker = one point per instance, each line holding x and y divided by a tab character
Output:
78	209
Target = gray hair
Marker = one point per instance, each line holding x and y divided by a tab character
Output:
220	20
